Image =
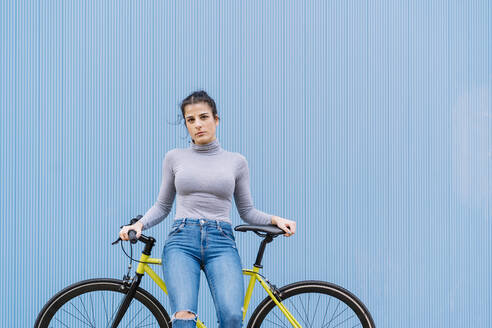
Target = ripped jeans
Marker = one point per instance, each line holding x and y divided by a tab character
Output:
208	245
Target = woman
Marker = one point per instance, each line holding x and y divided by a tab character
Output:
205	177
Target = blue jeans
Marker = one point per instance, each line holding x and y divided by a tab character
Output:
208	245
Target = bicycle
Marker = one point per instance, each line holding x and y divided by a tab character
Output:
84	303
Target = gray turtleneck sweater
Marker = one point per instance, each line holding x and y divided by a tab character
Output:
205	177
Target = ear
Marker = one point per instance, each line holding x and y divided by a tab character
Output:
217	121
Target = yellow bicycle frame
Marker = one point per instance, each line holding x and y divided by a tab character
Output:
143	267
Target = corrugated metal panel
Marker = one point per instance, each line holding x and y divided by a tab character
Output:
368	123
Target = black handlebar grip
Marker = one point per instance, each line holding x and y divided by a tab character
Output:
132	236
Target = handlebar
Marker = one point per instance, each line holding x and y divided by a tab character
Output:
132	234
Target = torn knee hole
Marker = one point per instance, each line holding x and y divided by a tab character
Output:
187	315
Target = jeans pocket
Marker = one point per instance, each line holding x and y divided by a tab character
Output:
175	229
227	233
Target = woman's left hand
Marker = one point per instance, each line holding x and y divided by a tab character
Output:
288	226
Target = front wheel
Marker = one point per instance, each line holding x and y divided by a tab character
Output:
313	304
95	302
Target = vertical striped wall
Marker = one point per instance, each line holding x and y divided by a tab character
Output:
367	122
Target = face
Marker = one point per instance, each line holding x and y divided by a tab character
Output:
201	123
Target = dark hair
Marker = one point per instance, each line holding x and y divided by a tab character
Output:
198	97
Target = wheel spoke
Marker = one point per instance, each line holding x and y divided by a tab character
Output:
85	310
307	309
92	307
105	309
305	312
298	312
344	321
326	312
87	322
149	324
115	311
96	303
336	309
279	318
276	324
141	321
329	307
316	309
339	314
62	323
83	321
134	315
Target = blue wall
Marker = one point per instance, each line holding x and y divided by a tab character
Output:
369	123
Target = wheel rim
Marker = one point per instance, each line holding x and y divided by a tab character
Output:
313	310
98	308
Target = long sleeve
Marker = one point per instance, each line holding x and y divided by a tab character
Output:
244	202
160	210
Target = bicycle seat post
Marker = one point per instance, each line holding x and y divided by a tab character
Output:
261	250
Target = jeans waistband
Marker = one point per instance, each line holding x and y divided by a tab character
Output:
202	221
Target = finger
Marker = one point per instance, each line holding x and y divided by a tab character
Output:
284	228
287	231
293	228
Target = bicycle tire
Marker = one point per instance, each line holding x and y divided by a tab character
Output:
48	317
267	314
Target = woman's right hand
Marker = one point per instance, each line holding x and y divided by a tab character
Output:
137	226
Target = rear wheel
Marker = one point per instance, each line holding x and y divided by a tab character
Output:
313	304
95	302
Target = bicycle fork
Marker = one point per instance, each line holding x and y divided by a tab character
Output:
127	300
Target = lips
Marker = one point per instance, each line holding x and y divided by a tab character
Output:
200	133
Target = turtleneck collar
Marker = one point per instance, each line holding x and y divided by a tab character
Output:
211	148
